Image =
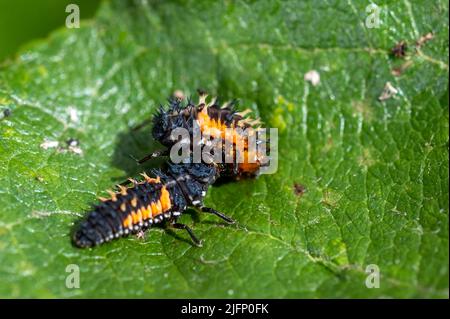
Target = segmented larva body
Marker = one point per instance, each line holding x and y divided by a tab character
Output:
166	195
150	201
213	119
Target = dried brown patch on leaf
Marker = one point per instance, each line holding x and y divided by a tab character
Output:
299	189
400	49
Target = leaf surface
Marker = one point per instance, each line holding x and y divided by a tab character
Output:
375	172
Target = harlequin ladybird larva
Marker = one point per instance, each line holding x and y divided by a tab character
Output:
214	119
165	196
154	200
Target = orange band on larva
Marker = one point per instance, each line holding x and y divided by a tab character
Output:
158	208
165	199
127	222
217	129
146	212
137	216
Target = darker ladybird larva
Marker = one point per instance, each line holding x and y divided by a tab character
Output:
148	202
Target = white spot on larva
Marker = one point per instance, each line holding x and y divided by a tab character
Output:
313	77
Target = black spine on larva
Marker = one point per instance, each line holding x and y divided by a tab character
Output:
105	221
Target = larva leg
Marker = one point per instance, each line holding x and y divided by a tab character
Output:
217	213
158	153
194	238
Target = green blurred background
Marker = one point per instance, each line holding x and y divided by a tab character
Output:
22	21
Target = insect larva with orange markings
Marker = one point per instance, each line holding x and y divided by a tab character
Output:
163	198
214	119
151	201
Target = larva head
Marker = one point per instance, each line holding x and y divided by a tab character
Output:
80	236
166	121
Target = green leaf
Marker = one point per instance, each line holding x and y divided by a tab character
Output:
375	172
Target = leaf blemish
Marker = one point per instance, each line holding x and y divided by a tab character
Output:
299	189
330	198
313	77
5	113
363	108
73	114
366	159
400	49
72	146
49	144
424	39
389	91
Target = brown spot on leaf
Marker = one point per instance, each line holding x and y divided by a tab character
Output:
399	50
299	189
